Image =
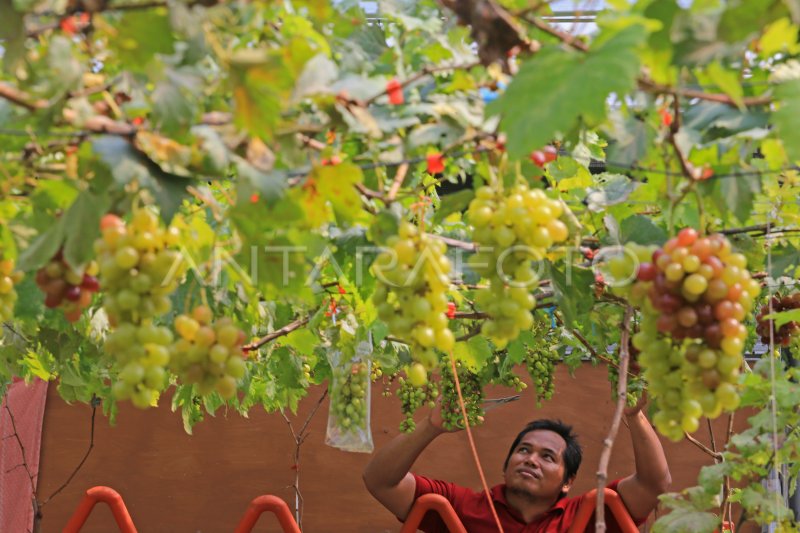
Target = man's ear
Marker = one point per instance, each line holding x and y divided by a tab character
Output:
567	484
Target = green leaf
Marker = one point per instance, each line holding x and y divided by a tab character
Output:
780	36
573	289
787	116
784	257
453	203
728	81
128	166
736	194
140	35
270	185
557	87
172	110
614	189
641	229
784	317
82	226
43	248
12	35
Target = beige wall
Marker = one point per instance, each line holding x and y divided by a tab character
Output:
176	483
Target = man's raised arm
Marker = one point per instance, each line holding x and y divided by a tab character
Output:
387	475
640	491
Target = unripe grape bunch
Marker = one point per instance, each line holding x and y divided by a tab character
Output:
511	229
694	296
67	287
411	294
139	267
208	352
142	353
540	361
349	397
8	295
471	391
412	398
788	331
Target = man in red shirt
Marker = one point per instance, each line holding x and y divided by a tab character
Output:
538	472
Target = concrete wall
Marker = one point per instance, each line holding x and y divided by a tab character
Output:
177	483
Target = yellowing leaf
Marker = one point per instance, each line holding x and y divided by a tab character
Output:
336	184
728	81
780	36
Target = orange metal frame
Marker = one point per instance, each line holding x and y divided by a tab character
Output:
437	503
271	504
613	502
108	496
440	504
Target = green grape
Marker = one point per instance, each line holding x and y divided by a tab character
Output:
349	396
208	352
411	294
412	398
8	295
511	229
471	391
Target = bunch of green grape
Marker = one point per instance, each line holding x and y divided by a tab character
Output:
411	294
511	230
139	267
471	391
512	381
349	396
540	361
142	353
412	398
208	352
8	295
694	295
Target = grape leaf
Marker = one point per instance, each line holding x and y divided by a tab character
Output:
641	229
556	87
82	226
787	116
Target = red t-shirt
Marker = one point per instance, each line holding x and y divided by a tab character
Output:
474	512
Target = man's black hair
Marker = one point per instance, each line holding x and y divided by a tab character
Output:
572	453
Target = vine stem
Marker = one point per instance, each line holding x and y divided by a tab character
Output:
285	330
94	402
608	443
299	439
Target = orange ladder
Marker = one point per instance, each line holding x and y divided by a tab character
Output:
272	504
108	496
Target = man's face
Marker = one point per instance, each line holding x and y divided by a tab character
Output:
536	466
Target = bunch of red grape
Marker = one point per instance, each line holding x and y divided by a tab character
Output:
208	352
511	230
694	296
8	295
67	287
784	334
411	294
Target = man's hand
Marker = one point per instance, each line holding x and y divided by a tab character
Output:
630	411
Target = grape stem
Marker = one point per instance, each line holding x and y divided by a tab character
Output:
622	387
716	455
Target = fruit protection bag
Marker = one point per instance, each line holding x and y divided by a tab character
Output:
349	412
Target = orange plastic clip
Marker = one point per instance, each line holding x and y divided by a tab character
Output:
271	504
437	503
110	497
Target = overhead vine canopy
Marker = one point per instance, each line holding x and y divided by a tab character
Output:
211	198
